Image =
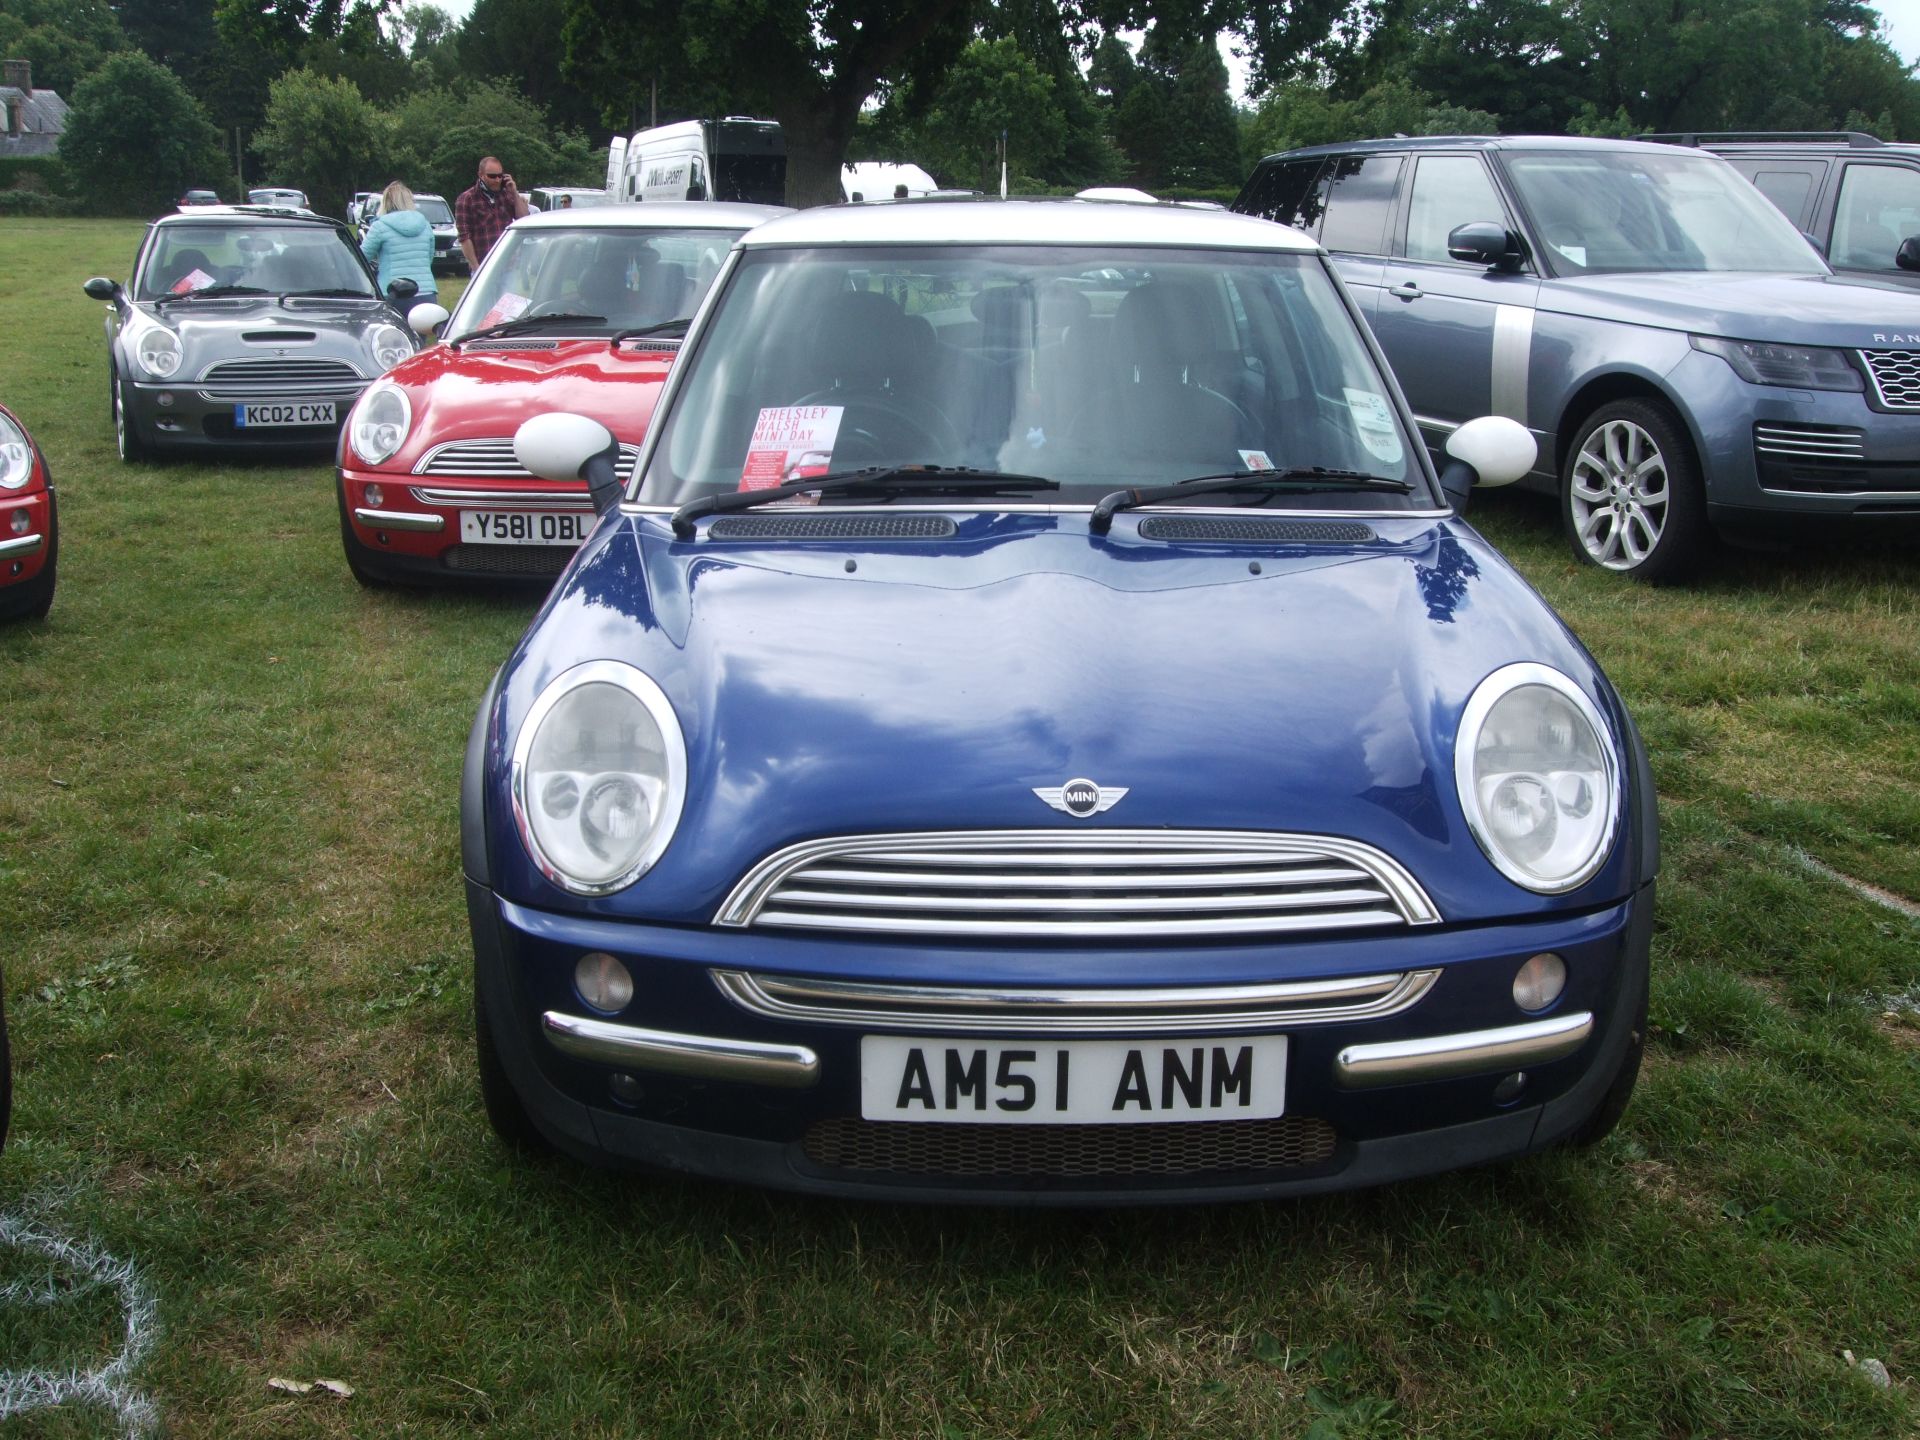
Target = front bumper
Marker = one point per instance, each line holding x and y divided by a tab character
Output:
415	530
188	415
691	1079
24	552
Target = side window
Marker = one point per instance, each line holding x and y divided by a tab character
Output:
1285	194
1448	191
1879	207
1790	188
1359	200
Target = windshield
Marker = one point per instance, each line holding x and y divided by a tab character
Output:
632	278
434	208
1598	211
751	179
274	259
1095	367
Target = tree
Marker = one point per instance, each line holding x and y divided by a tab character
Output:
323	137
66	40
1203	150
511	42
992	89
441	135
811	66
135	139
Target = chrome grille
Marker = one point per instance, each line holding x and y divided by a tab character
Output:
1111	884
1896	377
1290	1142
1809	442
280	371
494	457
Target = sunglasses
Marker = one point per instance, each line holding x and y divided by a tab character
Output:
494	175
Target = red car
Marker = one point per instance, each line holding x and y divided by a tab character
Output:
29	528
574	310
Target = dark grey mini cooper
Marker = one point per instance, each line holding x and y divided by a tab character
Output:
245	327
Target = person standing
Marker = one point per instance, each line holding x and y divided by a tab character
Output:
482	214
400	243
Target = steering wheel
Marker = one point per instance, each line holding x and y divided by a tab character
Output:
929	430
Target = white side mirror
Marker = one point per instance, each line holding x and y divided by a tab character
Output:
427	317
558	446
1499	450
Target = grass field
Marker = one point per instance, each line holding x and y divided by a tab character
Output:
247	1142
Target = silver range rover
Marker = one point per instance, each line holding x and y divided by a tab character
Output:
245	328
1687	363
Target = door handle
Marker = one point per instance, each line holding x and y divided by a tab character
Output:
1406	290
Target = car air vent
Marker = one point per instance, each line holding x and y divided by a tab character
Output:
1269	532
1809	442
279	372
654	342
276	337
1896	377
831	527
511	345
494	457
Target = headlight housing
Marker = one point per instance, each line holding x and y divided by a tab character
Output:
599	777
158	351
1801	367
380	422
1539	778
16	456
390	345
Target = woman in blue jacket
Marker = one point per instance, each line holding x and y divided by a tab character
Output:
400	243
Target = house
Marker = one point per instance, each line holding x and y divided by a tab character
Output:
35	118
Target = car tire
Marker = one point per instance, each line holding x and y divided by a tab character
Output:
1631	499
32	599
361	560
126	433
1613	1104
505	1113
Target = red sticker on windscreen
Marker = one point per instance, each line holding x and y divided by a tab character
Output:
192	280
790	442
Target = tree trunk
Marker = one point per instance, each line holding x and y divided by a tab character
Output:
817	137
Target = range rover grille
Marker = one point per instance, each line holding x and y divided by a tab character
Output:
494	457
1896	377
1810	442
1108	884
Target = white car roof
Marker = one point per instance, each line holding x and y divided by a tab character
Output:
654	215
1113	224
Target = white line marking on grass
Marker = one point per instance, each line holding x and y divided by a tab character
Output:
109	1386
1886	898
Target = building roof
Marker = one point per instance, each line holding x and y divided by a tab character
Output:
43	117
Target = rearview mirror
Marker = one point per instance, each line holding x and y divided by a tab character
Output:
403	288
1486	242
696	191
1907	257
101	288
560	446
1489	451
426	317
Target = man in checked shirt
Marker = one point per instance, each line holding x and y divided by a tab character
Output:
482	214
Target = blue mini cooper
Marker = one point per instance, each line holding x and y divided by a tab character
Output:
1034	728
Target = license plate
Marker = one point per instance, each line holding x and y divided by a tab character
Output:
269	413
1077	1082
524	527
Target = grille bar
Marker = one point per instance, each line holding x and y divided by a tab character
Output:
1896	377
1114	884
1800	442
494	457
279	371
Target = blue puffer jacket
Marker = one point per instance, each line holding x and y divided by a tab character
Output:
401	243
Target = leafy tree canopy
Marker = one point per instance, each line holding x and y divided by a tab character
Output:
65	40
135	138
323	136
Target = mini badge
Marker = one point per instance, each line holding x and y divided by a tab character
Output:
1082	798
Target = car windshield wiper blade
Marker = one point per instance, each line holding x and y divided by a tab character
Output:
210	292
530	322
878	479
1299	477
676	326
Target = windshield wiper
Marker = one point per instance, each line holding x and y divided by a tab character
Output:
210	291
878	479
530	322
676	327
1299	477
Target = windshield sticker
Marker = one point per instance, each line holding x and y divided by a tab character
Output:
791	442
1374	420
1576	253
191	281
1256	460
507	307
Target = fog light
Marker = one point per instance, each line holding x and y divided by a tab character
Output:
165	397
603	982
1540	982
376	497
1510	1087
624	1088
20	522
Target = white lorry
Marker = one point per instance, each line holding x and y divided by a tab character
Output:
884	180
737	158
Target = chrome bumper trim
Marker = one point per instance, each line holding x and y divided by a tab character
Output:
1442	1057
1196	1010
700	1056
502	499
25	545
399	519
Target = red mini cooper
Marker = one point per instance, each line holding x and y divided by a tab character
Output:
29	530
574	310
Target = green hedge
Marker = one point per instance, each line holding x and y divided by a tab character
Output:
32	202
47	176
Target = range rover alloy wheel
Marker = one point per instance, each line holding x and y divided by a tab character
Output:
1630	493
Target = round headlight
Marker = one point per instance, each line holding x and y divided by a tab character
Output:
1536	770
599	776
390	345
158	350
380	423
16	456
